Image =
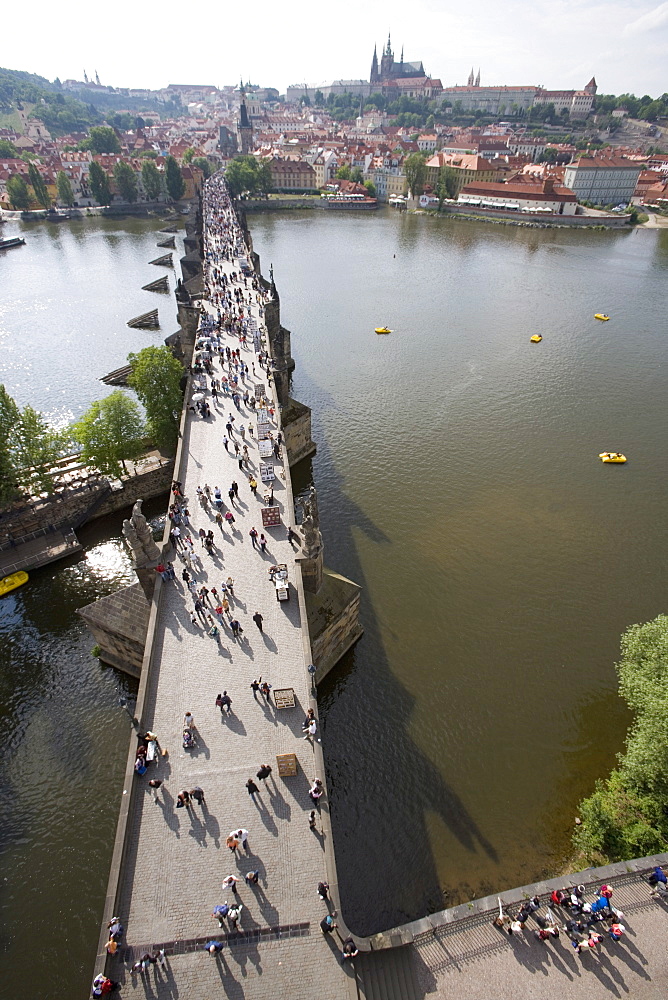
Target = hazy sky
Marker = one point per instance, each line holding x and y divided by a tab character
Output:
554	43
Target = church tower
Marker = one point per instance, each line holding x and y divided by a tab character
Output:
387	62
477	79
374	76
469	82
244	127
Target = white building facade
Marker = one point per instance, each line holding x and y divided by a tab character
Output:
603	180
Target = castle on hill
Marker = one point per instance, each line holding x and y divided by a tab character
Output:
391	70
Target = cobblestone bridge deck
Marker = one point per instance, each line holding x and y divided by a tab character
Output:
174	860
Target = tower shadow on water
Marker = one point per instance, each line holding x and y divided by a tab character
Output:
382	787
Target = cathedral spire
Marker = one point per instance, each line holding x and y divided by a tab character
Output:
373	78
402	55
477	79
469	82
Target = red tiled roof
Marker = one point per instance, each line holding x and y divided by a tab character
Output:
603	162
535	192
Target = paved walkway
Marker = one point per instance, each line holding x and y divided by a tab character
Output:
475	960
177	858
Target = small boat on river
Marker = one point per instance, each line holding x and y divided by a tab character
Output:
12	581
536	339
612	457
602	317
14	241
383	329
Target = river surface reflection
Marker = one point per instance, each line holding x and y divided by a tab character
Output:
459	483
65	298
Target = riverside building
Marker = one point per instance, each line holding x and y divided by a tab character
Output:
603	180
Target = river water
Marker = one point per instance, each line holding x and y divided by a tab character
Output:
458	482
65	298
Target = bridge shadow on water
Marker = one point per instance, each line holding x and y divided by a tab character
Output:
383	789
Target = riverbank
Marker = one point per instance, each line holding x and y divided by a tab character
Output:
145	209
530	220
34	533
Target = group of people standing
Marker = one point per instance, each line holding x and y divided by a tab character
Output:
585	923
234	298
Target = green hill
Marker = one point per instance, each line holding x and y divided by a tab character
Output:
59	112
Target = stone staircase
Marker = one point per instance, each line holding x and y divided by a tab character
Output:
386	975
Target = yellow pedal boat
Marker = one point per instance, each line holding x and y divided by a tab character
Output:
614	457
383	329
12	581
536	339
602	317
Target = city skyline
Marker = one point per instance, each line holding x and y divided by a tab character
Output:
557	46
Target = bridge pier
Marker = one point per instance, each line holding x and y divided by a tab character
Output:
168	865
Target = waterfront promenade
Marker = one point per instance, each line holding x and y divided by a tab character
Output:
471	958
176	858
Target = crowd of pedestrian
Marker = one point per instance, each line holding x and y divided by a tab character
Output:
585	923
230	372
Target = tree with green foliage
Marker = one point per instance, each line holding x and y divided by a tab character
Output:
356	175
370	188
151	179
202	164
35	448
9	418
126	181
18	193
376	100
626	816
99	184
343	173
415	170
101	139
65	192
240	176
156	377
650	112
248	175
429	124
263	179
549	155
110	433
174	181
38	185
318	98
447	184
189	153
121	120
8	149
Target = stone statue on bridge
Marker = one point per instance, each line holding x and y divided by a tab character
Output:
138	534
309	506
311	523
